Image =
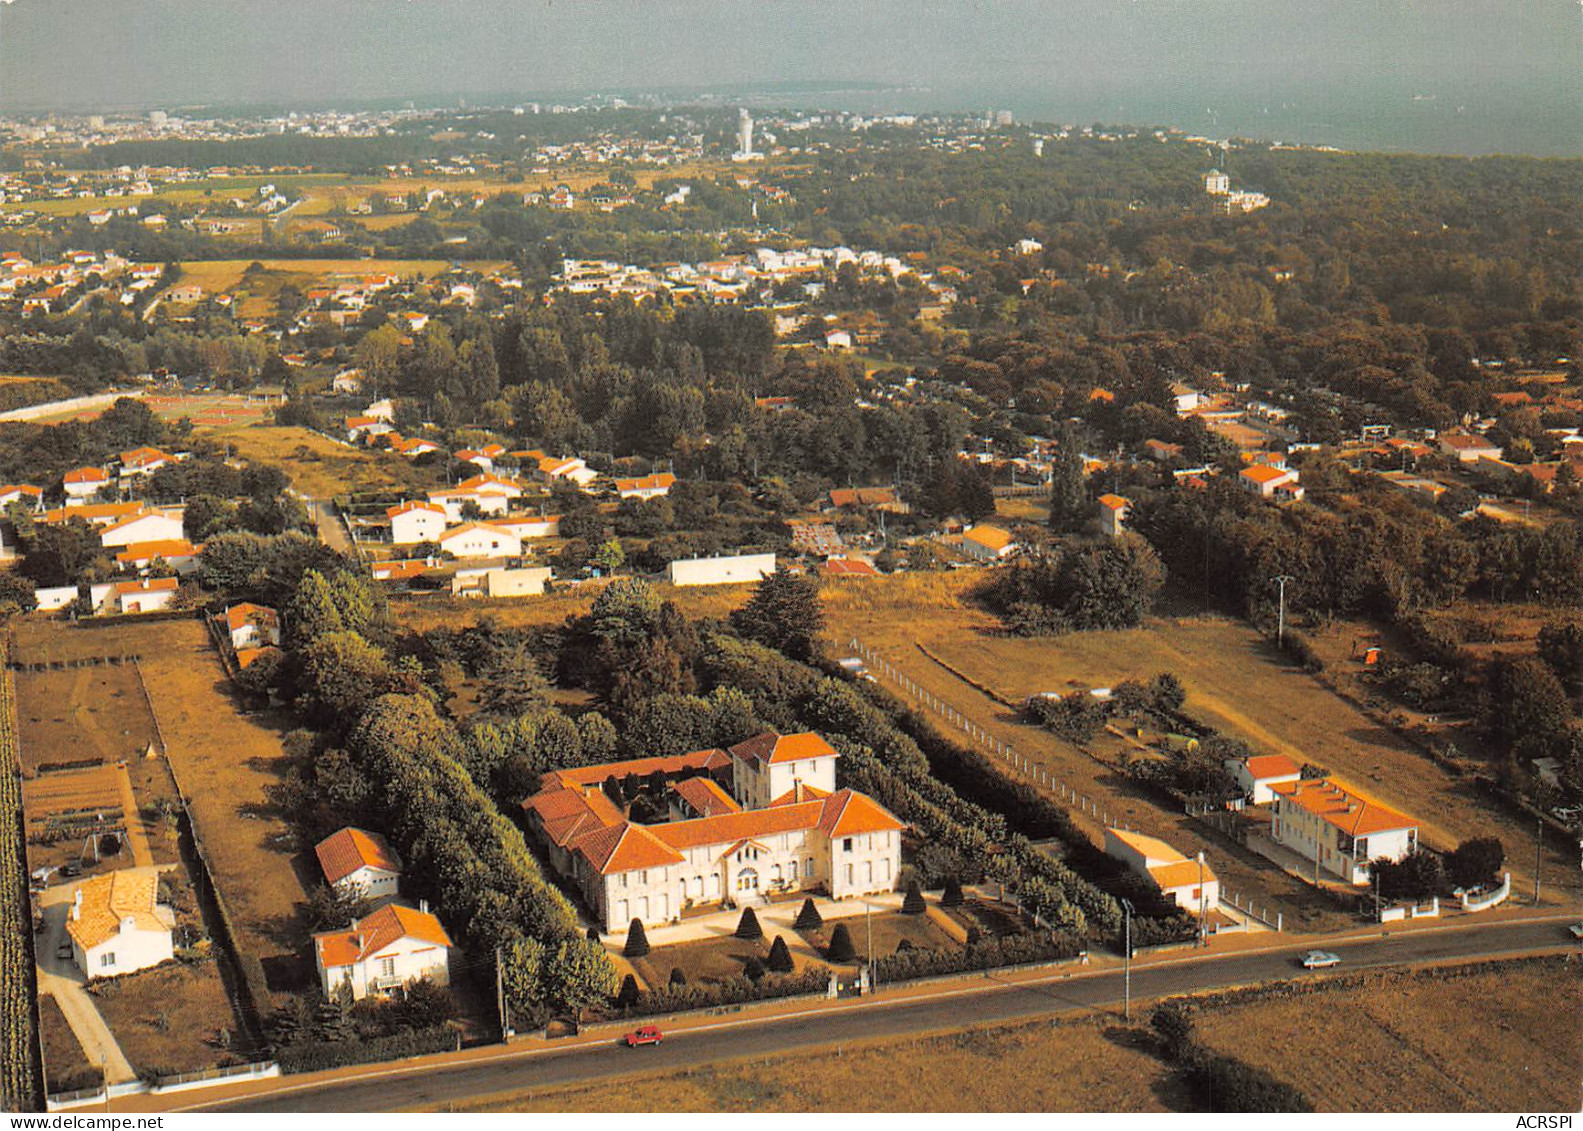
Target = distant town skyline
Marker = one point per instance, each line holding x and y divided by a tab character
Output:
1159	60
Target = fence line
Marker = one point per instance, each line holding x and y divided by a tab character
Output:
1017	763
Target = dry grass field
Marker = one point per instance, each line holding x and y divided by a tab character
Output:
420	614
225	760
328	468
1235	681
1461	1040
66	1068
1087	1064
175	1018
67	715
1472	1039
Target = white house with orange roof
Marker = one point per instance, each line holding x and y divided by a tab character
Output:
526	526
769	766
413	522
569	468
143	461
29	496
1267	482
646	486
144	526
178	553
117	925
145	595
252	626
732	848
1324	821
1113	512
354	860
480	540
83	483
1190	884
988	543
383	951
1257	774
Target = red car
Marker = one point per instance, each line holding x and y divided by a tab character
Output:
646	1035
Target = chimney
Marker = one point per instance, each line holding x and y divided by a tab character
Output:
423	906
128	923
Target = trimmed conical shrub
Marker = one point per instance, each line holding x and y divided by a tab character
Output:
754	969
808	919
841	948
748	926
904	945
912	902
973	935
677	977
780	959
629	993
952	896
637	940
593	934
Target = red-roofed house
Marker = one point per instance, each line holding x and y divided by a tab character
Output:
1255	775
147	595
178	553
1190	884
1113	511
252	626
416	522
646	486
1265	481
143	461
1321	819
383	951
354	860
85	482
847	567
738	846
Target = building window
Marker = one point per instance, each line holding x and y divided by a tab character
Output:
846	845
643	876
387	967
808	868
623	879
107	959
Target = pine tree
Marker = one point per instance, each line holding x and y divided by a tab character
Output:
754	969
1069	506
912	903
637	940
677	977
783	613
841	948
952	896
748	926
808	919
780	959
628	995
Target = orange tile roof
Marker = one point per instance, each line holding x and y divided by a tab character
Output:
92	511
1263	766
346	850
246	613
625	848
849	813
245	657
647	482
107	900
799	793
705	796
139	456
1114	502
1150	847
848	567
86	475
1180	874
770	749
1335	805
374	932
408	507
862	496
668	764
990	537
166	548
728	828
1264	473
147	585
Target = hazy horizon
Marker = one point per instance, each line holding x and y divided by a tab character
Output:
1458	77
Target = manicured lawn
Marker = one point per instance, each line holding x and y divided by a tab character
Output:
717	960
888	932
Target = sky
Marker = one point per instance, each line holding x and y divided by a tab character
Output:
1184	57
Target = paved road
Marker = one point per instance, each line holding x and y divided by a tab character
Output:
899	1015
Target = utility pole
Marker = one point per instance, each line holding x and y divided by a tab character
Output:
868	918
1126	960
1539	853
500	992
1203	910
1280	620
